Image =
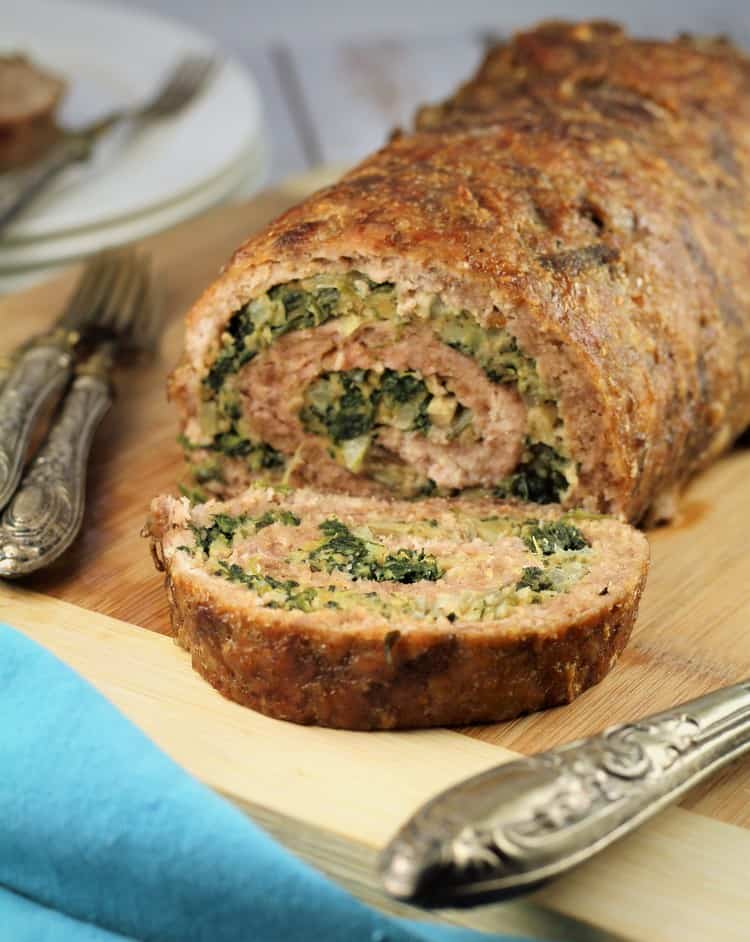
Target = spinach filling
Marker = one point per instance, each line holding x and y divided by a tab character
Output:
559	545
548	539
358	558
494	349
540	477
288	593
217	538
554	536
195	495
224	527
346	406
257	455
261	321
536	579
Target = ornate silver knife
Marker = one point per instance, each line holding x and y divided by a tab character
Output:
508	830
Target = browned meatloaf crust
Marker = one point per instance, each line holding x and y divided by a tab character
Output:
296	654
587	192
29	97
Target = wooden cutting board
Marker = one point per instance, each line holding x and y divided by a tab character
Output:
336	796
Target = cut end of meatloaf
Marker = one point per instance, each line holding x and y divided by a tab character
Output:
374	387
364	613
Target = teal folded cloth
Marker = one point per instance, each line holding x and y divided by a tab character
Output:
103	837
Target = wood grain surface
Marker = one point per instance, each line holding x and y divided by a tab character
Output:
692	636
680	878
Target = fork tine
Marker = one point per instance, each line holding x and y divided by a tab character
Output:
116	269
125	305
152	323
139	303
159	317
111	310
192	71
139	313
118	294
202	67
166	94
128	304
79	299
176	91
145	313
147	324
184	82
92	287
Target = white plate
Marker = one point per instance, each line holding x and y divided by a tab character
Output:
112	56
229	186
248	172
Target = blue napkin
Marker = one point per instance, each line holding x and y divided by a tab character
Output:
104	838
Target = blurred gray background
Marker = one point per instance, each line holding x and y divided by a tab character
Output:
337	75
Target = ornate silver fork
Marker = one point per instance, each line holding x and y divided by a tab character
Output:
38	371
46	512
183	84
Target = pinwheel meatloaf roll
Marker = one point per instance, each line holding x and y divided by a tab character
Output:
542	292
366	613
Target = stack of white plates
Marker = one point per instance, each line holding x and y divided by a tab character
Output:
136	183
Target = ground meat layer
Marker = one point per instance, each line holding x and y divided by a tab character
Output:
274	384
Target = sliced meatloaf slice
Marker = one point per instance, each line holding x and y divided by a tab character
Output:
29	97
367	613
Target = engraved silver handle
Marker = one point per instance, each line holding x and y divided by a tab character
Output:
46	512
506	831
7	362
24	186
41	372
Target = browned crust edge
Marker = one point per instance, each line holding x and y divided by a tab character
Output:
351	680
